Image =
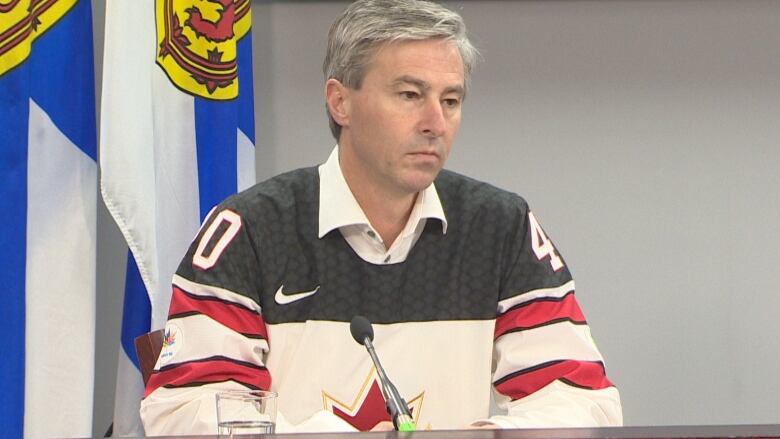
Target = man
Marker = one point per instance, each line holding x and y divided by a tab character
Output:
463	287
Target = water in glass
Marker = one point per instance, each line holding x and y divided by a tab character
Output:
235	428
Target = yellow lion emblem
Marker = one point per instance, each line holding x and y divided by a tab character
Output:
197	44
21	22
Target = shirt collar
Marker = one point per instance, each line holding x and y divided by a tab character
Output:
338	207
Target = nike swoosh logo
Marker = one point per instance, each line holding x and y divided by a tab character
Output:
286	299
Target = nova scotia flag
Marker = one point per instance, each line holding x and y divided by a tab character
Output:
48	188
177	137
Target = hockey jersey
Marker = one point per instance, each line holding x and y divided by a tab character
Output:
260	302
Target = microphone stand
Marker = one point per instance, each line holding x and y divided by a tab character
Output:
396	406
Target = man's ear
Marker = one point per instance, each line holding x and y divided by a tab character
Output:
337	100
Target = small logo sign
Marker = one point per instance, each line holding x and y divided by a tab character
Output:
197	44
283	298
173	340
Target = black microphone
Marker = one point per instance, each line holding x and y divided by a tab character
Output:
363	333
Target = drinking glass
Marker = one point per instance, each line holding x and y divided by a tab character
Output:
246	412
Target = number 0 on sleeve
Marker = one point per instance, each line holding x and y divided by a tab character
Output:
234	225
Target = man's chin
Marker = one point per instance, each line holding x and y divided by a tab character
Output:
420	181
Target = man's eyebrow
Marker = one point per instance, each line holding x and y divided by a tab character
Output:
406	79
457	89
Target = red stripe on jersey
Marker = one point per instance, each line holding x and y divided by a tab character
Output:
234	316
538	313
209	370
585	374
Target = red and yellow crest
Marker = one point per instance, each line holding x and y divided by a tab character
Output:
368	407
197	44
21	22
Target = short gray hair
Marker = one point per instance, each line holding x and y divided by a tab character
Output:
367	24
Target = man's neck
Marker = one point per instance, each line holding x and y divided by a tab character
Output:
387	213
386	208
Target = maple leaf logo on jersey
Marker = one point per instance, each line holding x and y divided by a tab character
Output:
197	44
368	407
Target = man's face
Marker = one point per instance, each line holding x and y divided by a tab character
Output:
401	122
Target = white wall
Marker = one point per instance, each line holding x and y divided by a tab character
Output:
644	135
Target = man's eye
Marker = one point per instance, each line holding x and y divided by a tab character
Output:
452	103
410	95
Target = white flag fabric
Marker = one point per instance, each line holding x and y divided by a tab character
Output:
177	137
48	190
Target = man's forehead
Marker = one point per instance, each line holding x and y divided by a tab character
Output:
418	62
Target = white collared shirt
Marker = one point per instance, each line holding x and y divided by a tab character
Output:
340	210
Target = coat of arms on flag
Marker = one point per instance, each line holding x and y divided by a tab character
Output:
22	22
197	44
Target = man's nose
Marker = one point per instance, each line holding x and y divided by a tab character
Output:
433	123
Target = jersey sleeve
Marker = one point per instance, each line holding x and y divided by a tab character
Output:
547	370
215	337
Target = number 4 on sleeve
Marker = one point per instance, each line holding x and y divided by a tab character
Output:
541	244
